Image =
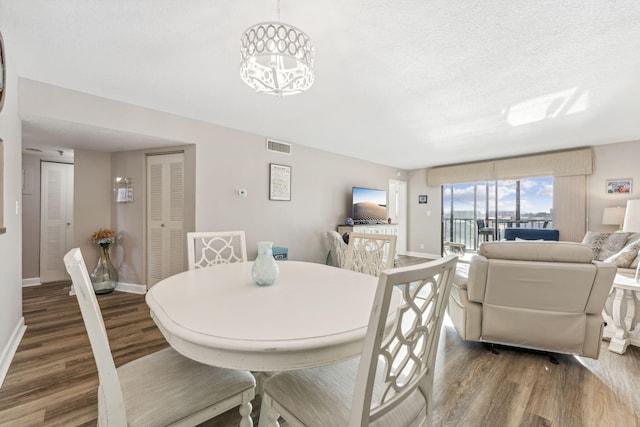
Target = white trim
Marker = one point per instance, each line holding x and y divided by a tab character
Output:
133	288
10	350
33	281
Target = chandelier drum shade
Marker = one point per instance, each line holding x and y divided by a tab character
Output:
277	59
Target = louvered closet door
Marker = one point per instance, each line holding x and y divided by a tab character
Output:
56	219
165	216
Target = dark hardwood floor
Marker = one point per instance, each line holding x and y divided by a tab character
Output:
53	381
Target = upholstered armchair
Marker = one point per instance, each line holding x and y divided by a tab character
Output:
338	248
541	295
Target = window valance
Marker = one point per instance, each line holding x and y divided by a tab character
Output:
559	163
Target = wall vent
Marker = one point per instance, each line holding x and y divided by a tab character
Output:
278	147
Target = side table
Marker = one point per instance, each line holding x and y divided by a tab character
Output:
623	307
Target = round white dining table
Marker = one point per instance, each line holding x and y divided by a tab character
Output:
313	315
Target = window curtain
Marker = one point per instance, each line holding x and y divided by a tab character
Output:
570	207
561	163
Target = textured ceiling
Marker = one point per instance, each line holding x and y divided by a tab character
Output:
407	83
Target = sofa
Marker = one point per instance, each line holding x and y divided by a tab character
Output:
540	295
515	233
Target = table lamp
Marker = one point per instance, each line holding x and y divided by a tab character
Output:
614	215
632	221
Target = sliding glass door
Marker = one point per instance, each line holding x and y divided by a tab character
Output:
474	212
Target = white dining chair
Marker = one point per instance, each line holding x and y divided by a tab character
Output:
390	384
338	248
160	389
215	247
370	253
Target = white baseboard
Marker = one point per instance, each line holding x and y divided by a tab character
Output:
34	281
132	288
10	349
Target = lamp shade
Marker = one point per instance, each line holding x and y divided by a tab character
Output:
613	215
632	217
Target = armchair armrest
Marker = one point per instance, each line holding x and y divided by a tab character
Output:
602	283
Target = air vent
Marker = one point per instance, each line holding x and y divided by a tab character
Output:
278	147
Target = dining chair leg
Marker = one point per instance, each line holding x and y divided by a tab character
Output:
268	414
245	413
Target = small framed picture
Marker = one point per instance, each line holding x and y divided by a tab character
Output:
422	198
619	186
279	182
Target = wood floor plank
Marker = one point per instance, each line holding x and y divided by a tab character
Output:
53	381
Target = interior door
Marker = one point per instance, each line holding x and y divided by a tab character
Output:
398	212
165	216
56	219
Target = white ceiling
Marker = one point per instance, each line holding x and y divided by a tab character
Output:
407	83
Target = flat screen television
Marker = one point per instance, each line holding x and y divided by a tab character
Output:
369	206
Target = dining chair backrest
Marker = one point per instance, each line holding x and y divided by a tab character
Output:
109	383
370	253
408	351
338	248
215	247
480	224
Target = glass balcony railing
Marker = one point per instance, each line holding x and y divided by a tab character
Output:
464	231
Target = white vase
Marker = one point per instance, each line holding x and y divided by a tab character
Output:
265	269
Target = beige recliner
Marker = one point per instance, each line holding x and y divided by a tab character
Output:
540	295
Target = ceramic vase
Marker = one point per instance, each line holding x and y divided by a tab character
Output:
265	269
104	277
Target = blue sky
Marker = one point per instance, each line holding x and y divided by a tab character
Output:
536	195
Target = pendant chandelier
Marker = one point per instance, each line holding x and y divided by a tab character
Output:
277	58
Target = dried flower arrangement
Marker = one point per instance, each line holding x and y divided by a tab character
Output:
103	236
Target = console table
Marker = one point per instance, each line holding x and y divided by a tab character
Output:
622	312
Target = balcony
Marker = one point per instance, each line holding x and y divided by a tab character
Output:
464	230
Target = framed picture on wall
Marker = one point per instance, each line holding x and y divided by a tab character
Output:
279	182
619	186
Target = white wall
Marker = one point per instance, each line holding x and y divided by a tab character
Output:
11	321
424	219
31	217
92	202
611	161
227	160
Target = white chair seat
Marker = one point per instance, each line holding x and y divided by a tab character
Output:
165	387
323	397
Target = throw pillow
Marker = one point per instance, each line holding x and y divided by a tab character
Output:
625	256
604	245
